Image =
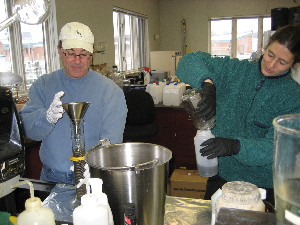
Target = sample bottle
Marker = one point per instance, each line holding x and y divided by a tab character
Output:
34	213
90	212
94	208
206	167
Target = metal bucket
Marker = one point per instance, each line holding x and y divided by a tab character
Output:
133	173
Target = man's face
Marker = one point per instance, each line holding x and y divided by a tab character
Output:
276	59
76	61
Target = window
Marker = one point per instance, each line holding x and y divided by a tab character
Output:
130	39
28	50
242	38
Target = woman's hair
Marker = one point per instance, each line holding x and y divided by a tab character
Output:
289	36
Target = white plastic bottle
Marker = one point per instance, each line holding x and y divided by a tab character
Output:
147	77
206	167
34	213
96	185
94	208
90	212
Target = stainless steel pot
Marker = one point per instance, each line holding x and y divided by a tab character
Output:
133	173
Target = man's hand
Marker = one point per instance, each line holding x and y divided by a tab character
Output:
55	111
206	107
216	147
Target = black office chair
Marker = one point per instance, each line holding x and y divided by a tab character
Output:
139	125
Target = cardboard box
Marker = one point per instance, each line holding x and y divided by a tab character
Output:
187	183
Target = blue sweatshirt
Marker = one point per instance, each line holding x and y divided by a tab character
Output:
247	103
105	117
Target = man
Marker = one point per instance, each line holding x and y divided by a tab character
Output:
43	116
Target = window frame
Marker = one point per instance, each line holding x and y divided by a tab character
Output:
50	43
260	33
139	45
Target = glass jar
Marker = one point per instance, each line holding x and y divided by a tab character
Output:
240	195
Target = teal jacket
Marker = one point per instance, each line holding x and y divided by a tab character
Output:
247	103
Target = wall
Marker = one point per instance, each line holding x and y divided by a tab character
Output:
197	12
164	16
97	14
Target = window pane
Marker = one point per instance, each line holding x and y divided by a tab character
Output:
221	37
266	30
131	46
5	47
116	39
247	30
128	41
33	52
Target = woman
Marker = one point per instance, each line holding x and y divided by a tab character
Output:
245	97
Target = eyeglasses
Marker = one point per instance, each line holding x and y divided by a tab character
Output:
72	55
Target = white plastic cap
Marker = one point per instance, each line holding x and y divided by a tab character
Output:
33	203
76	35
263	193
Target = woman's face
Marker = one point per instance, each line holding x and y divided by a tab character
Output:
277	58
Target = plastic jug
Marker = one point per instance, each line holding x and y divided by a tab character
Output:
94	208
155	89
34	213
172	93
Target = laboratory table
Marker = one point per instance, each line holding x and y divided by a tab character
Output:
178	210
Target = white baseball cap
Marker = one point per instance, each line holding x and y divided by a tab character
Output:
76	35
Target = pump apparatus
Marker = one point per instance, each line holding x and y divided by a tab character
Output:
76	112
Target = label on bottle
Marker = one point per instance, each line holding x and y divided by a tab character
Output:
129	216
127	221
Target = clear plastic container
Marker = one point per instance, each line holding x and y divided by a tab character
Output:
206	167
286	168
156	91
172	93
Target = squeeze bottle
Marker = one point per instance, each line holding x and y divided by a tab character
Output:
34	213
147	77
206	167
94	208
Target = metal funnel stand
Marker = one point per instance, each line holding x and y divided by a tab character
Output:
76	112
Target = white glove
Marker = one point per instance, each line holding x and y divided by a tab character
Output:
55	111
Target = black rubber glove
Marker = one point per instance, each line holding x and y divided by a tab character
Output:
216	147
206	107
